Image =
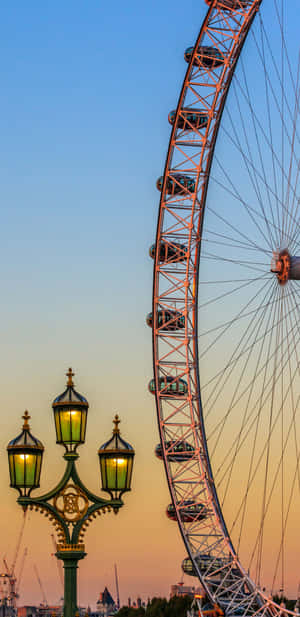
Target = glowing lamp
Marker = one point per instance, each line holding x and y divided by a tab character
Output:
25	454
70	414
116	463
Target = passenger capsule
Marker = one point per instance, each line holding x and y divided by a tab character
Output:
177	184
189	511
189	119
168	321
177	451
168	385
204	563
210	57
230	5
169	252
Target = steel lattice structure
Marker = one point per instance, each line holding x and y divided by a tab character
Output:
176	253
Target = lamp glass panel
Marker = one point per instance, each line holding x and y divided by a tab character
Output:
30	466
19	469
70	422
38	468
129	472
83	425
57	425
11	469
116	468
103	472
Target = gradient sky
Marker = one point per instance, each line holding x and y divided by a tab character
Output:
86	89
85	93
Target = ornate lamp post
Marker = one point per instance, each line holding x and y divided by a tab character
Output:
70	506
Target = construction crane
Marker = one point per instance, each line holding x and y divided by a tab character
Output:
58	563
117	587
11	571
19	578
18	545
41	586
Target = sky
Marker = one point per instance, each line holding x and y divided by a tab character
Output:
85	93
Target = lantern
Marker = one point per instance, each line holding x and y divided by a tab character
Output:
70	414
25	454
116	462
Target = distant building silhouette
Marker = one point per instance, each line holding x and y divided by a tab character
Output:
105	605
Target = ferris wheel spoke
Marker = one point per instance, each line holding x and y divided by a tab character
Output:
239	243
263	398
259	175
297	450
240	262
233	360
270	136
209	241
245	350
264	507
221	218
239	316
231	404
251	479
258	125
235	399
250	209
248	161
296	113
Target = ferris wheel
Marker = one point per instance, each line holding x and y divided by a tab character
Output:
225	316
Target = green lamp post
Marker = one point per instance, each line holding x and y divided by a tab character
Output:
70	506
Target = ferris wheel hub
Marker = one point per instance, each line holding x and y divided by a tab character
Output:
285	267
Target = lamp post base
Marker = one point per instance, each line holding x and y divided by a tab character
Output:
70	559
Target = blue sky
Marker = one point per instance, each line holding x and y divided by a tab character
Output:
86	89
85	93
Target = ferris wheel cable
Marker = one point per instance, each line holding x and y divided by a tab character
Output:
262	167
274	482
274	485
269	119
239	199
231	245
250	481
296	112
231	405
266	139
241	244
253	446
268	187
234	319
264	388
229	363
240	262
215	282
236	289
238	440
292	397
264	507
279	77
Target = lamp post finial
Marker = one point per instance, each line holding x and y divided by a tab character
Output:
116	422
70	376
26	417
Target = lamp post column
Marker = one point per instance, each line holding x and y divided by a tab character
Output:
70	560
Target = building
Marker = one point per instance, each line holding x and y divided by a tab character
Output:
27	611
184	590
105	605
